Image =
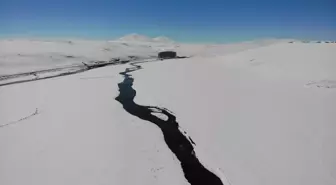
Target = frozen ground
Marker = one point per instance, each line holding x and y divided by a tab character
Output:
258	115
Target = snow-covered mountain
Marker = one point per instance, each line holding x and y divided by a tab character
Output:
162	39
142	38
135	38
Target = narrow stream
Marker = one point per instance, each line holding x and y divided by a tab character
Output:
194	171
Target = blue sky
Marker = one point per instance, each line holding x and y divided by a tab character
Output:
183	20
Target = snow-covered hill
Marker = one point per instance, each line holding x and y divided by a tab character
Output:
162	39
28	55
259	113
135	38
142	38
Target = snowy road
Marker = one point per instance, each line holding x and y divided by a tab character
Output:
57	72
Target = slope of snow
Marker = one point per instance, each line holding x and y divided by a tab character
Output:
255	116
18	56
211	50
27	55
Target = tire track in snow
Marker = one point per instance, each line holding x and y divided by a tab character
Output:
178	142
22	119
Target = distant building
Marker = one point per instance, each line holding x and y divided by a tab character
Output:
167	54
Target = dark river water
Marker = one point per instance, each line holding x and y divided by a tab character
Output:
178	143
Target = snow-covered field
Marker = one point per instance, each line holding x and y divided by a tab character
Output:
260	113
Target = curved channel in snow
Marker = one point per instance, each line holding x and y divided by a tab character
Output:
178	143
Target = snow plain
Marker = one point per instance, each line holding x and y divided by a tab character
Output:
260	113
257	116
